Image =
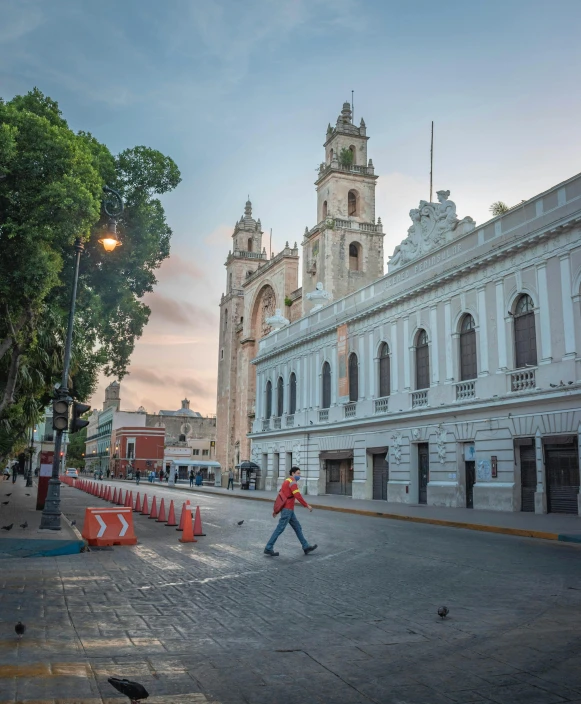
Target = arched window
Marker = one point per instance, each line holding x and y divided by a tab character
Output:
384	371
324	209
225	319
279	397
331	154
525	338
249	246
422	361
182	438
268	399
354	256
467	349
352	203
353	154
326	385
292	407
353	377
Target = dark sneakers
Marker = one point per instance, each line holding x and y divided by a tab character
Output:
310	549
272	553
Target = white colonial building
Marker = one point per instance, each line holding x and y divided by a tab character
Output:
453	380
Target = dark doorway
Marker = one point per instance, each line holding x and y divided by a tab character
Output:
380	476
470	480
562	465
528	477
340	477
423	472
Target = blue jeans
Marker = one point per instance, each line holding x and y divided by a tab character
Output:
287	516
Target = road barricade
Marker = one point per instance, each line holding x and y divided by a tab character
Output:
109	526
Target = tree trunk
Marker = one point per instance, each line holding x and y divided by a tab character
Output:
8	397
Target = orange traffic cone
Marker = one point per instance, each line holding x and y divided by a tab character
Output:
120	501
153	513
145	508
188	534
108	494
114	499
137	508
182	517
161	517
198	523
129	499
171	519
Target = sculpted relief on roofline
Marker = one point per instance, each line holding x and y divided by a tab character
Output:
433	224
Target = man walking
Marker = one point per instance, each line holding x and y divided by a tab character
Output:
230	480
192	477
137	476
289	491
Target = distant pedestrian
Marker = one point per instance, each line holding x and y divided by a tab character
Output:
285	505
167	477
192	477
137	476
14	472
108	473
230	480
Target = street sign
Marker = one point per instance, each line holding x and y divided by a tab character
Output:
109	526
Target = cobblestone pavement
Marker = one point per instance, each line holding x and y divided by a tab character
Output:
353	623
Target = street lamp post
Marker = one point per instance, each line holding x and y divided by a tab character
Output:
51	513
31	456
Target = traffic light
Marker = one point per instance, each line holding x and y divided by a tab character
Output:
77	423
60	414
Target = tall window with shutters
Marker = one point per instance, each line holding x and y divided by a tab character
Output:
268	399
384	371
279	396
525	336
326	385
353	377
468	369
292	394
422	360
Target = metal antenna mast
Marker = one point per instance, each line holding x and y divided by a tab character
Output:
352	108
431	161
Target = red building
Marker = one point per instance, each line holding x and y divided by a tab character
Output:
138	447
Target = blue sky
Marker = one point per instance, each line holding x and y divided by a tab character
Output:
239	93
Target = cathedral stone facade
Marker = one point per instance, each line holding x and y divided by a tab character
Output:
452	380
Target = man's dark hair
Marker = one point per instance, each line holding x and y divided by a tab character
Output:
294	469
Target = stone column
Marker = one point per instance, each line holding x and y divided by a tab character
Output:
541	492
567	302
544	314
407	351
259	396
304	384
434	347
394	360
483	331
448	343
361	360
334	375
371	362
501	326
317	383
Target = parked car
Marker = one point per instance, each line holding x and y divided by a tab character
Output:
72	472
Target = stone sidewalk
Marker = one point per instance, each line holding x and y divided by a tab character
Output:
18	508
551	526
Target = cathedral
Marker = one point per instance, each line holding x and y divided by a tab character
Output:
454	379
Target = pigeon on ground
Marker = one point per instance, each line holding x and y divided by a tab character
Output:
240	523
135	691
5	502
73	523
10	494
8	527
24	525
20	628
24	494
443	611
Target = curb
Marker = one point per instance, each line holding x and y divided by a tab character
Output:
502	530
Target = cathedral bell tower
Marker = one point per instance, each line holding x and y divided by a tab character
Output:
344	251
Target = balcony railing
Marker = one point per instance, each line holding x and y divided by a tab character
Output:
419	398
323	415
277	423
266	424
522	380
350	410
465	389
382	404
290	421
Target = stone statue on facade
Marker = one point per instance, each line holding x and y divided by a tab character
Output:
320	297
277	321
433	224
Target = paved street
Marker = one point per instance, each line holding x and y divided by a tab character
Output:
355	622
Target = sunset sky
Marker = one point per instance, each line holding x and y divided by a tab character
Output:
239	93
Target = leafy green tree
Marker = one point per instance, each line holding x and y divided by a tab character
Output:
51	182
76	449
498	208
346	157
